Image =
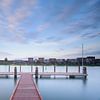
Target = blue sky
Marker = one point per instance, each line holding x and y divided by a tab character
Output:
49	28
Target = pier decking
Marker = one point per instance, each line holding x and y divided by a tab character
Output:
37	73
26	89
47	73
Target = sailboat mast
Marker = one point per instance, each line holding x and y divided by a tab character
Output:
82	55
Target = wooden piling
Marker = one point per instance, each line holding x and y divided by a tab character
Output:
15	72
6	76
79	69
66	68
36	72
85	72
54	68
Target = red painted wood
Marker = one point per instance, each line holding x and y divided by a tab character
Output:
26	89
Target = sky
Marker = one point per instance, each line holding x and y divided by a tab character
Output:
49	28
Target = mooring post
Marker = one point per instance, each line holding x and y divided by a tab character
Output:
6	76
36	72
85	72
9	69
79	68
66	68
54	68
15	72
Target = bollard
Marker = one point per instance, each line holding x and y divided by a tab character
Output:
79	69
36	72
15	72
85	71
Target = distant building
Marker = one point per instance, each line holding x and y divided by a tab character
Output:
41	60
52	60
30	59
97	62
35	60
2	62
72	61
60	61
90	60
79	61
19	62
46	61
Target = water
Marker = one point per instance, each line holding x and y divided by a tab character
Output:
59	88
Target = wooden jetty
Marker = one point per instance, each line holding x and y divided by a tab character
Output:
26	89
37	74
75	74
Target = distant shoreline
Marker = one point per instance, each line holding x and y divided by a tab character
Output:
47	65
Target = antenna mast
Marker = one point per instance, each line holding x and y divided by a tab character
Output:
82	55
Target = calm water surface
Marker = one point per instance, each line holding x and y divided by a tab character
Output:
59	88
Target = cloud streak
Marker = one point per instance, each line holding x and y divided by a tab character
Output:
14	18
90	35
5	54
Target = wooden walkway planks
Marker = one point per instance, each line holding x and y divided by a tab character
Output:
26	89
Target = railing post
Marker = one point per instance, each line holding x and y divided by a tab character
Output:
15	72
36	72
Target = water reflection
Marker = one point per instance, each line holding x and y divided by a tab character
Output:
84	81
15	81
36	80
59	88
